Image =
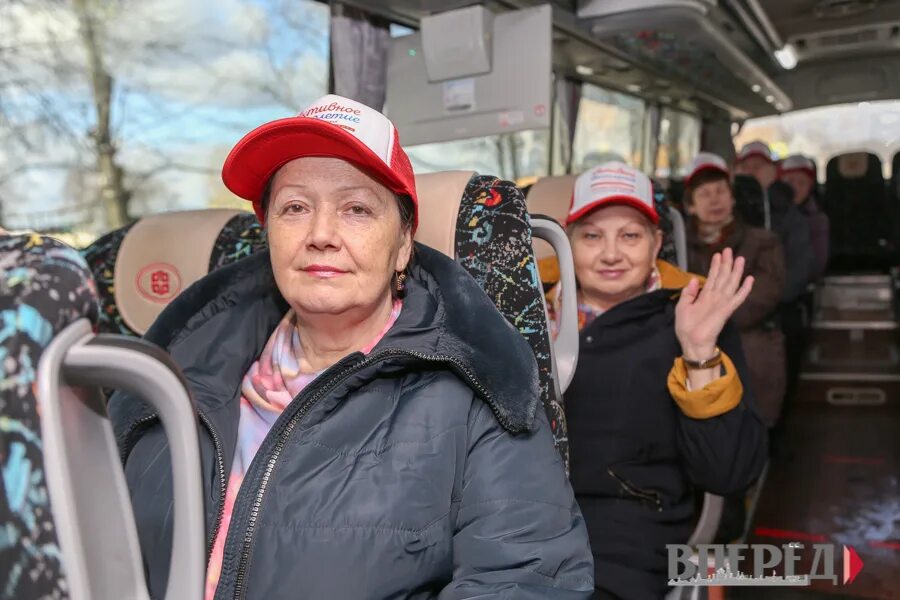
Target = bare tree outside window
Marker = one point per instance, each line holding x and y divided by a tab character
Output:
110	109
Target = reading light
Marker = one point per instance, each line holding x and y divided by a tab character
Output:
786	57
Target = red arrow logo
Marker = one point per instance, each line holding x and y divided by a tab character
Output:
853	564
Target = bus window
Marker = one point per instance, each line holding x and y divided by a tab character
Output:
187	80
679	142
864	126
512	156
610	126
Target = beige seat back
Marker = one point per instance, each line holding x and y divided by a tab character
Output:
440	196
161	256
854	165
550	196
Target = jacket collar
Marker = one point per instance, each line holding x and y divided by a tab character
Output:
216	328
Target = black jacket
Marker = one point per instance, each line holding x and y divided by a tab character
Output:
635	456
785	220
424	469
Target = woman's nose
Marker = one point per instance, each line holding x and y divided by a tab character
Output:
323	229
610	252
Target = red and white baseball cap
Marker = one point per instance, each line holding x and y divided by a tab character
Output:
706	161
756	148
798	162
331	126
608	184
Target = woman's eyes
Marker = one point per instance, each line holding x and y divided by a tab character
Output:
359	210
293	208
631	236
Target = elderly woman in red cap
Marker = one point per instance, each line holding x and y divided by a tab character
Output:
658	405
370	424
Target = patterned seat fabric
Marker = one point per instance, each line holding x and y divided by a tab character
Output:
493	243
241	237
45	287
661	201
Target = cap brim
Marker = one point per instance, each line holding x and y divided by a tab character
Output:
807	170
260	153
701	169
635	203
758	153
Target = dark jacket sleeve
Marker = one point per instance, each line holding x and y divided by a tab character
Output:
798	254
725	454
768	271
519	533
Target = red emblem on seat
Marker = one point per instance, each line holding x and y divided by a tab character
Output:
159	282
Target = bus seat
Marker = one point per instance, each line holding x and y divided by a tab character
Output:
65	508
482	222
550	196
856	203
34	272
143	266
674	248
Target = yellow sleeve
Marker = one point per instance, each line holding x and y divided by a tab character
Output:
718	397
548	268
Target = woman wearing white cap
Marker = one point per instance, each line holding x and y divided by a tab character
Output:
657	404
799	172
782	217
370	424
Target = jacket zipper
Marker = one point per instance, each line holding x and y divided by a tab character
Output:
304	409
637	492
220	463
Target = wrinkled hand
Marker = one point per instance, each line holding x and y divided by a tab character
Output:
701	314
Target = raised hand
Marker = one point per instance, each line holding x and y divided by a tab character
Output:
702	313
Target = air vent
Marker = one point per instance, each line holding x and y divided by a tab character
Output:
882	36
853	37
841	9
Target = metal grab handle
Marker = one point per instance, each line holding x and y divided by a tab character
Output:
679	237
88	493
708	523
138	367
565	347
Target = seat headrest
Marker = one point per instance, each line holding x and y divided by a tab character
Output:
853	166
160	256
440	195
551	197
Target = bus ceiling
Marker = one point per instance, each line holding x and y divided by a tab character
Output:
743	58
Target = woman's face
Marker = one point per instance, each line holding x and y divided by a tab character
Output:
335	237
712	203
801	182
764	171
615	249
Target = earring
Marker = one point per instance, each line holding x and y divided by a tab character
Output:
401	282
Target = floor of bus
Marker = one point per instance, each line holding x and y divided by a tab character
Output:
834	480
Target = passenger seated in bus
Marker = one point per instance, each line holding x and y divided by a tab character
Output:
370	423
712	228
658	403
783	218
799	172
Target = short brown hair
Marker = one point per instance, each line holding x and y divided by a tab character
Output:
702	178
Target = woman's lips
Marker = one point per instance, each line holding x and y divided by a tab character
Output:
611	273
323	271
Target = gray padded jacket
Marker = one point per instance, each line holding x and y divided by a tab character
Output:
423	470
